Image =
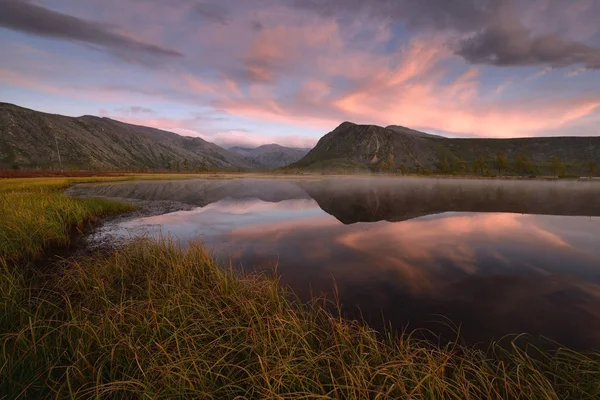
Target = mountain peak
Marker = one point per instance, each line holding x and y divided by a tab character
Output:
345	125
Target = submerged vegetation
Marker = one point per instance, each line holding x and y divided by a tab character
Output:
152	320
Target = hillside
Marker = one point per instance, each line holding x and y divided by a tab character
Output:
402	129
271	155
30	139
361	147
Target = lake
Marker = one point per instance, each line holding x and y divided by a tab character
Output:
495	257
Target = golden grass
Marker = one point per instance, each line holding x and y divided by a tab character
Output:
36	214
154	321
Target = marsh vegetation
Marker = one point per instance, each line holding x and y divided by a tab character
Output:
155	320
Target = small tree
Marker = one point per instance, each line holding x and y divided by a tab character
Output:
462	166
178	166
480	166
591	168
403	169
186	164
523	164
444	166
501	162
557	167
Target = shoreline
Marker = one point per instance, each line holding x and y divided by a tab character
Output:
149	319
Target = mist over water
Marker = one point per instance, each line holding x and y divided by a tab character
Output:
495	257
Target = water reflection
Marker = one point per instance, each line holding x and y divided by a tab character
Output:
496	257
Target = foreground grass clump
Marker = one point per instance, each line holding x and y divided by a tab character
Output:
36	214
154	321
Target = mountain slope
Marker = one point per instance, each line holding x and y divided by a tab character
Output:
369	146
30	138
271	155
351	145
402	129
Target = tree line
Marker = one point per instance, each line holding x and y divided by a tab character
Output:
498	165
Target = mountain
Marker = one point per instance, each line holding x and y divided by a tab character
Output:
271	155
402	129
241	151
30	138
356	147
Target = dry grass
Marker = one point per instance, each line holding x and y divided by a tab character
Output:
155	321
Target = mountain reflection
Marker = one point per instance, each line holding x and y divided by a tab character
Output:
352	200
495	257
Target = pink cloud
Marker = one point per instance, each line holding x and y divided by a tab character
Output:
246	139
412	94
288	73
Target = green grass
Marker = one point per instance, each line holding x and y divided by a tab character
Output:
151	320
36	215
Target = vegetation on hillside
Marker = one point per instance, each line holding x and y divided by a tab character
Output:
152	320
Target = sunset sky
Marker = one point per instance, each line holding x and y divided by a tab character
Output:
251	72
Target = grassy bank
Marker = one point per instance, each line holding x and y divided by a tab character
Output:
36	215
154	321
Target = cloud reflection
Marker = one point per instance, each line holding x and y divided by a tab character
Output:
407	249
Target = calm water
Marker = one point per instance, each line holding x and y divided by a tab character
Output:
495	257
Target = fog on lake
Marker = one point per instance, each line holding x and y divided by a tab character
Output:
495	257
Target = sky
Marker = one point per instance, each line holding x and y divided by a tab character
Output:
252	72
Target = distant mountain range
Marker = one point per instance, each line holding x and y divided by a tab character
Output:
271	155
356	147
33	139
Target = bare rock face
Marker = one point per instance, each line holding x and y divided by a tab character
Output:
30	138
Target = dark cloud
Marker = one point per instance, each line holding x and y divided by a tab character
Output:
463	15
212	12
512	44
256	26
494	35
32	19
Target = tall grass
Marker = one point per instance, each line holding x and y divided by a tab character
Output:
151	320
36	214
155	321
